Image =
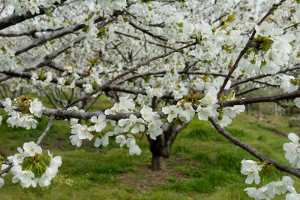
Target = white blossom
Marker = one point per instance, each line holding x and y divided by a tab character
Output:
100	123
251	169
121	139
1	182
292	153
36	107
30	149
172	112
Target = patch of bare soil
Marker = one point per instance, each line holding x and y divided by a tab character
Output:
272	123
279	134
275	132
144	177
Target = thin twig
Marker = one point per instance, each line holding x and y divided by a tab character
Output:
246	91
50	122
260	99
50	99
282	105
4	5
6	169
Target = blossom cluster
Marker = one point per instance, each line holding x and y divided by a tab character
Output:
175	111
29	166
133	124
125	105
288	86
153	121
31	5
42	81
209	108
8	61
276	50
293	150
251	169
269	190
19	119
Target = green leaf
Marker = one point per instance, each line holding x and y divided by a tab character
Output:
230	21
230	95
253	61
180	24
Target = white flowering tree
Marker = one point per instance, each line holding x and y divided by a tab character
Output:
160	62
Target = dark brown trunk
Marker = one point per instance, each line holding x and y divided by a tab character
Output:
158	163
248	110
161	147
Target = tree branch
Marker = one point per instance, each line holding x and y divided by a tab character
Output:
246	91
260	99
50	122
30	32
151	42
7	169
15	18
252	151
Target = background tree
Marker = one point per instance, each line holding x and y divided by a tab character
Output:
158	62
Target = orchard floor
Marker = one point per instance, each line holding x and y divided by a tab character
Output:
144	177
203	165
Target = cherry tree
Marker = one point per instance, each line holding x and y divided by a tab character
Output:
160	63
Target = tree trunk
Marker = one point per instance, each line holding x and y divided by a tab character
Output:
248	109
161	147
260	116
158	163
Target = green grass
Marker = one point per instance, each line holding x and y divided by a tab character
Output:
208	161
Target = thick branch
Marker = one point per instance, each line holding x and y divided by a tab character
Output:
164	72
15	18
252	151
30	32
66	114
48	37
260	99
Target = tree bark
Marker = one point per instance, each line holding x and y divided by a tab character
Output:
161	147
158	163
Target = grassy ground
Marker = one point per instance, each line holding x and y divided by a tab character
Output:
204	165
